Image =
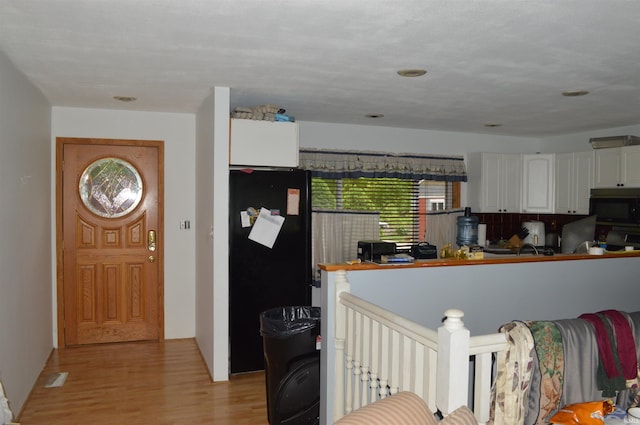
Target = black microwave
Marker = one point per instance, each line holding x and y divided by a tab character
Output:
616	206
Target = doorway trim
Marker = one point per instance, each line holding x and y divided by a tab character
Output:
60	142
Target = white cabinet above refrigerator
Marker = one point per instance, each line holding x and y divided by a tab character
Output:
263	143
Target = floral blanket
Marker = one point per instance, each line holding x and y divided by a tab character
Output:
550	353
549	364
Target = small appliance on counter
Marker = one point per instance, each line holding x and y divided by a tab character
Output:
552	240
620	238
632	239
535	233
424	251
374	250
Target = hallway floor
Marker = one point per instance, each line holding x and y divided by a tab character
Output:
150	383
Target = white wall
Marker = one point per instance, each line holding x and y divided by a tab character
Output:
220	231
344	136
25	233
399	140
579	142
212	188
204	223
178	133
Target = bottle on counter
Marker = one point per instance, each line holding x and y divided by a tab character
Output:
602	240
467	229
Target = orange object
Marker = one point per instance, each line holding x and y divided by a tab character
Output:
589	413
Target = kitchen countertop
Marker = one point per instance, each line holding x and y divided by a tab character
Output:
488	259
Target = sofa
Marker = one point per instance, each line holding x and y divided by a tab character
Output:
404	408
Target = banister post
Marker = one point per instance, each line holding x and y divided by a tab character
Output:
452	379
342	285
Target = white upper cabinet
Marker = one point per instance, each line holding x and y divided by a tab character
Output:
538	183
607	167
617	167
511	180
263	143
494	182
631	166
573	182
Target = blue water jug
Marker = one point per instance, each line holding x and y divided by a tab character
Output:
467	229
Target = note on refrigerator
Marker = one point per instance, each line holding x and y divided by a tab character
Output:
293	201
266	228
245	220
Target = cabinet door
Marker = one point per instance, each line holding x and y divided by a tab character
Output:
565	198
510	180
573	182
537	187
490	196
264	143
630	166
607	167
583	180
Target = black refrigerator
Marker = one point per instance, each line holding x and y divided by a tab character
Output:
269	256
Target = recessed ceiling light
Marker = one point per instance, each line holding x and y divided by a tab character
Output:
574	93
125	98
374	115
411	72
492	125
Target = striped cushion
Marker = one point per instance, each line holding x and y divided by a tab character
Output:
460	416
404	408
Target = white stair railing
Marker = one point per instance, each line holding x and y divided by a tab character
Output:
379	353
383	353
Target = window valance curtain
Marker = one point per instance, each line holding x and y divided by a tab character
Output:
338	164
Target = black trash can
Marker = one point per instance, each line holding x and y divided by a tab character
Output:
292	364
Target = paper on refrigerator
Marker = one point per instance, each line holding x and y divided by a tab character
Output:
266	228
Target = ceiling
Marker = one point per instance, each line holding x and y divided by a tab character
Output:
488	61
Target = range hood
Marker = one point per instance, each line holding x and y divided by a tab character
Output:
613	141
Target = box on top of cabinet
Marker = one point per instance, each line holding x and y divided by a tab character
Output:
263	143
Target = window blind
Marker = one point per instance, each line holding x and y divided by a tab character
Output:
404	189
403	205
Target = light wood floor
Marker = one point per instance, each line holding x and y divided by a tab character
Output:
150	383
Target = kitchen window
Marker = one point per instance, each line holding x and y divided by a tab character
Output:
403	205
360	195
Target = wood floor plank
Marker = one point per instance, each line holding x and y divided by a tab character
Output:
142	383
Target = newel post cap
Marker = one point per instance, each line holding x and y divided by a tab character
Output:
453	318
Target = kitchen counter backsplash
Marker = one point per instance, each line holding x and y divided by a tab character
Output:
503	226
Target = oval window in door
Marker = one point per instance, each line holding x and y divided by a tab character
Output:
110	187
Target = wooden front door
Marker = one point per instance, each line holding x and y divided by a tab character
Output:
109	224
